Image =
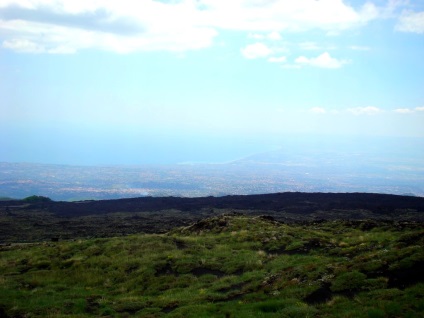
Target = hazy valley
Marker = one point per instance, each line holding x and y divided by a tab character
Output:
396	168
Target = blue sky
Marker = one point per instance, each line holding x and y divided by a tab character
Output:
89	82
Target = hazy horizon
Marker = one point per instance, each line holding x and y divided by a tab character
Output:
381	165
218	151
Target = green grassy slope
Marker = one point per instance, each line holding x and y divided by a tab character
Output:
226	266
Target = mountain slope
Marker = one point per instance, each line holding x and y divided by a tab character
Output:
224	266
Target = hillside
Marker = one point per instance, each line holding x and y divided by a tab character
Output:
224	266
271	255
29	221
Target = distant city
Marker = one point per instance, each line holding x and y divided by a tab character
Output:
274	171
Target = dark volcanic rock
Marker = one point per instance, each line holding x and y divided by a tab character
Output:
379	205
67	220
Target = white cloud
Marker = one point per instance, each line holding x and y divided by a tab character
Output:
403	111
410	21
256	36
318	110
275	36
368	110
312	46
281	59
65	26
370	12
408	110
359	48
45	38
23	46
257	50
324	61
285	15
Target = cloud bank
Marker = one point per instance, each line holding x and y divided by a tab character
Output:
67	26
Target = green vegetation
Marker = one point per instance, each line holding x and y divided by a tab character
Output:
37	199
5	198
226	266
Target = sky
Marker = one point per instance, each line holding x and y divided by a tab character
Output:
156	81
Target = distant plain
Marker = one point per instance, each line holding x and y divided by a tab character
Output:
393	166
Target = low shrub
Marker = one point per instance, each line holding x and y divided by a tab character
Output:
348	281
